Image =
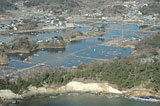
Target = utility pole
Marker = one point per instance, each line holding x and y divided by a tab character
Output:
122	31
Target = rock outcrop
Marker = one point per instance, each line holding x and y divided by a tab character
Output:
71	87
75	86
136	92
33	91
8	94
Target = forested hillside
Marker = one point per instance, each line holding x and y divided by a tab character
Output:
71	4
7	4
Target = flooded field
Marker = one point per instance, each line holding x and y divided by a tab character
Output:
83	51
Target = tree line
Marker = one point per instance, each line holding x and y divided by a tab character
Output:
126	73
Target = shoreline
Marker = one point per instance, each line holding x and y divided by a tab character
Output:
79	94
71	88
52	97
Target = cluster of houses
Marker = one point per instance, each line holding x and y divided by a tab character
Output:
135	14
5	27
56	38
133	9
94	14
47	20
12	26
52	21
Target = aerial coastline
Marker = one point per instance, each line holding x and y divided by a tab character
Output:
112	50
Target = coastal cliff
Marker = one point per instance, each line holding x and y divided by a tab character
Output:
34	91
71	87
75	86
8	94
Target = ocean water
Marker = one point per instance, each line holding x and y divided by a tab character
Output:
85	100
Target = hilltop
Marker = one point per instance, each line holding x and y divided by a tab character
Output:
44	4
7	4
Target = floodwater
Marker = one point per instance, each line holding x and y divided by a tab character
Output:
77	52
